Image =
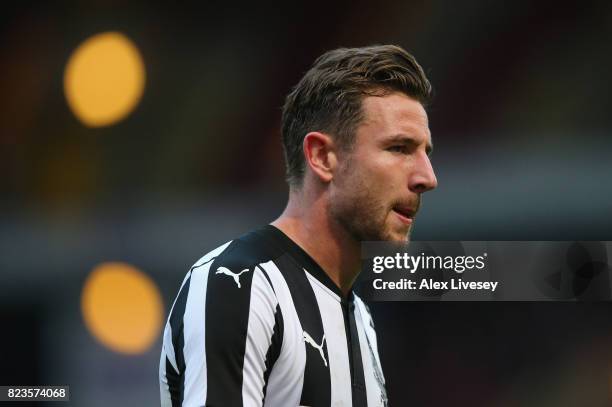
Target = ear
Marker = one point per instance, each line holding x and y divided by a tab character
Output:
320	155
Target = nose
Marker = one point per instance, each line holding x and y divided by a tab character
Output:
422	177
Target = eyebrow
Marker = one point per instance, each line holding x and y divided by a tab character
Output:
409	140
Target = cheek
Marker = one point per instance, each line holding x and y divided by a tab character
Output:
382	178
373	178
366	167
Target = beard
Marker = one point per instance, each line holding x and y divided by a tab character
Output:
365	217
357	203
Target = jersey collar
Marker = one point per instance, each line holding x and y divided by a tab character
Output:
304	259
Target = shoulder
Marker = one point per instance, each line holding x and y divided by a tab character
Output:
227	284
244	252
210	256
230	278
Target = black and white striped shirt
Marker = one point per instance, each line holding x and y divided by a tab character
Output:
258	323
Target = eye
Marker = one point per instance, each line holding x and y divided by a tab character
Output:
398	149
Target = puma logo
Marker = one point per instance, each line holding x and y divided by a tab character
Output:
228	272
308	339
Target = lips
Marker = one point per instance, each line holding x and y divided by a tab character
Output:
405	213
405	210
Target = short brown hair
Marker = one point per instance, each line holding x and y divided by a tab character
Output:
328	97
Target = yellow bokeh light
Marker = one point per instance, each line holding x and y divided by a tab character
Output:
122	307
104	79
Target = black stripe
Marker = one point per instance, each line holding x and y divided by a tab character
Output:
176	380
285	244
358	388
316	391
275	347
227	317
174	384
203	264
267	278
178	340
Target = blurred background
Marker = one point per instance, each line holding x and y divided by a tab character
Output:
136	137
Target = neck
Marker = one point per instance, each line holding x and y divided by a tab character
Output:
307	221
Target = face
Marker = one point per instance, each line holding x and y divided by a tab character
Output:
376	191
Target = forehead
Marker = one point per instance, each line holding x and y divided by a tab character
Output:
394	114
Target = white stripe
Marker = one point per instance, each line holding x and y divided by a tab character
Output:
335	335
287	377
368	357
259	337
168	352
167	343
322	286
164	389
194	333
371	334
167	346
211	254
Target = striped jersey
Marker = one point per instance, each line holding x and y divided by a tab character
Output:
257	322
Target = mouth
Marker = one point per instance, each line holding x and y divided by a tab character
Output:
405	213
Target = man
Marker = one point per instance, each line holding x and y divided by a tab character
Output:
270	318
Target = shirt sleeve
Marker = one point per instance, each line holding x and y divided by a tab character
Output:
223	340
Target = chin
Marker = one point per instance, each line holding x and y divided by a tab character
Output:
397	237
400	238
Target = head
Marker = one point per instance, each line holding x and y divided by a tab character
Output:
356	126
